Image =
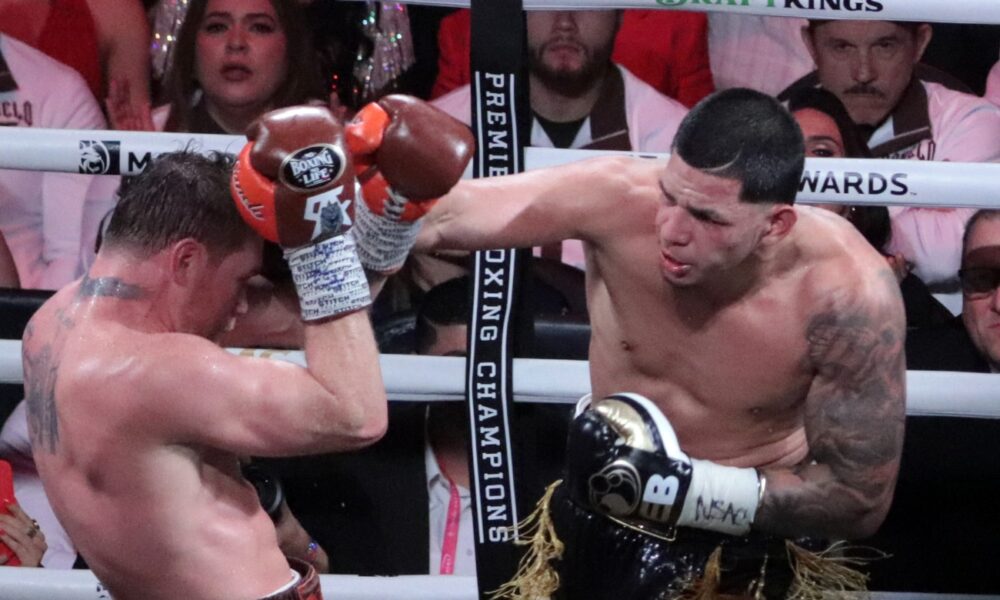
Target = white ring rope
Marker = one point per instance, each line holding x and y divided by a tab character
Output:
929	393
937	11
826	180
18	583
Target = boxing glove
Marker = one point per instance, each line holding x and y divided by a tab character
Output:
294	184
408	153
624	461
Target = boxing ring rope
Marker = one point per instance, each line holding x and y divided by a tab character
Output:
19	583
972	395
985	11
826	180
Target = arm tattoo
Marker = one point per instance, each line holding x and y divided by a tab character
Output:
40	371
855	415
42	356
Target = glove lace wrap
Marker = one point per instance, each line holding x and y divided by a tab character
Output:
329	278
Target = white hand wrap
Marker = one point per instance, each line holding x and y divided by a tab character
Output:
383	240
721	498
329	278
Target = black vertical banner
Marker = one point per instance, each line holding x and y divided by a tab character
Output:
499	110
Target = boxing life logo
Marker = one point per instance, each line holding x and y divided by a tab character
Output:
312	168
100	157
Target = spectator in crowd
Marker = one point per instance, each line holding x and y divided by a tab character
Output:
666	49
762	53
871	67
829	132
970	342
49	219
106	41
580	98
233	60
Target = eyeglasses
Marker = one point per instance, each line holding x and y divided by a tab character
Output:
979	282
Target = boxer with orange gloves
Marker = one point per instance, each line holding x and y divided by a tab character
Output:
137	440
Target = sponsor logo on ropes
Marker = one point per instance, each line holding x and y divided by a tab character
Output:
99	157
872	6
854	183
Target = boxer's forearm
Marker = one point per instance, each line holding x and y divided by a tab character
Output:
811	501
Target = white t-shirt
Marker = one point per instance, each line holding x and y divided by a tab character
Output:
50	220
762	53
964	128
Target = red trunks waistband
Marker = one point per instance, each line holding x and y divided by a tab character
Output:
307	588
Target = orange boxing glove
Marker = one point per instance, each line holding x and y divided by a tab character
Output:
294	184
407	154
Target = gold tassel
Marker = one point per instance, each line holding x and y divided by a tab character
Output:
830	573
705	587
536	578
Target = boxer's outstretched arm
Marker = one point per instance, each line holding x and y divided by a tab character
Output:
580	200
854	420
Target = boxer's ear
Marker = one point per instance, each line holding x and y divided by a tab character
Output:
780	221
187	258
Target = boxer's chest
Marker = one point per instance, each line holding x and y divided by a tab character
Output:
746	359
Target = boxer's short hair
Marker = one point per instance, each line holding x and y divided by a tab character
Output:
180	195
748	136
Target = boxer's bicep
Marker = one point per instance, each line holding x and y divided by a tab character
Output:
246	405
854	419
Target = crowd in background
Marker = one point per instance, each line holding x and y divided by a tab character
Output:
858	89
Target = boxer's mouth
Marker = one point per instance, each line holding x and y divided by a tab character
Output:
673	266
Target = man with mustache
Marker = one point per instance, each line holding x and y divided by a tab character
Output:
906	112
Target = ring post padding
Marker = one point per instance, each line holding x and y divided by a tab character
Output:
499	107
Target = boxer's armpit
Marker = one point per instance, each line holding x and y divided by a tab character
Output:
854	420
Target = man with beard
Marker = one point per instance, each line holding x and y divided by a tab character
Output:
580	98
906	111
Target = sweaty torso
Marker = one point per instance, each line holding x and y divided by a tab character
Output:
153	517
731	379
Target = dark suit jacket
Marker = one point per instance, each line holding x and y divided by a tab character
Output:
944	347
368	509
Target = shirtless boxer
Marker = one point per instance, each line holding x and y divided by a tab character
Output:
137	417
769	336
